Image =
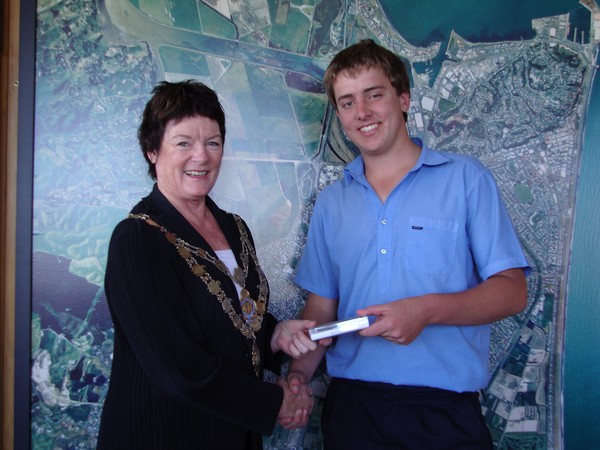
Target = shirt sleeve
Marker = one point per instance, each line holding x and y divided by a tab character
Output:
494	242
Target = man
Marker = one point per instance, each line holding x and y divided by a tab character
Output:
421	242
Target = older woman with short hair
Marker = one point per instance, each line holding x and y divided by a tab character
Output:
189	300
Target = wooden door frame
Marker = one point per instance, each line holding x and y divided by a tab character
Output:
9	75
17	86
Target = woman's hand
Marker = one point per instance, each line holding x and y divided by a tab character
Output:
291	337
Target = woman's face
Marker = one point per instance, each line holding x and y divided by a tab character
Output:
189	158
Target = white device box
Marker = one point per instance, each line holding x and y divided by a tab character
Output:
339	327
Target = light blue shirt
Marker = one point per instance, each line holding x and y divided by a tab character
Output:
443	228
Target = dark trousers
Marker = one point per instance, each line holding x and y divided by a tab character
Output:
360	415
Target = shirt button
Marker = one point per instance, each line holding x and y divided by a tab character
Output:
383	251
384	221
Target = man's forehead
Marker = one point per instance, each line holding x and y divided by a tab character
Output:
373	77
355	72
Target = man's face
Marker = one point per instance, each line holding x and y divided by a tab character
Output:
370	110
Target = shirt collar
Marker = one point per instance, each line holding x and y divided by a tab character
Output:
355	169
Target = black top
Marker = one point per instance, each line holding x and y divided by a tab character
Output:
182	374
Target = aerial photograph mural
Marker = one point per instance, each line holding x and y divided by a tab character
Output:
507	82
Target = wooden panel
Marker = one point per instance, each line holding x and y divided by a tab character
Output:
9	76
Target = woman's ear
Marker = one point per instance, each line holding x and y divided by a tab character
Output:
152	156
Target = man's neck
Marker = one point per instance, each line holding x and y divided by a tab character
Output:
385	172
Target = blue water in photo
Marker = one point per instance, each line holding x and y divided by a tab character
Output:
477	20
582	353
421	23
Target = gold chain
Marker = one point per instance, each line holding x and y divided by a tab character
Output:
253	311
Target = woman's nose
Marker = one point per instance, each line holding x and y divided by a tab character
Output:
199	152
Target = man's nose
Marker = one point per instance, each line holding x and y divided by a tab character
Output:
363	110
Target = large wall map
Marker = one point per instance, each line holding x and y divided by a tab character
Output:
518	105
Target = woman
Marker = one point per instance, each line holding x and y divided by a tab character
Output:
189	300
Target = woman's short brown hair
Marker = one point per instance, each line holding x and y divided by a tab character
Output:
176	101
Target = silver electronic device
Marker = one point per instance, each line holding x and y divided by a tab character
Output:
330	329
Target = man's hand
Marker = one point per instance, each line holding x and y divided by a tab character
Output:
400	321
291	337
296	406
296	381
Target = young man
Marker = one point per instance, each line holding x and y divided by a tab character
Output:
421	242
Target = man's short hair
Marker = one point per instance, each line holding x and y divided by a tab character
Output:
367	54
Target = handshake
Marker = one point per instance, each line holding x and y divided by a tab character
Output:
297	403
291	337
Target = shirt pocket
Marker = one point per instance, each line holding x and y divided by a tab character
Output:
431	245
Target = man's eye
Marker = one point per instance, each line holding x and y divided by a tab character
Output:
347	105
